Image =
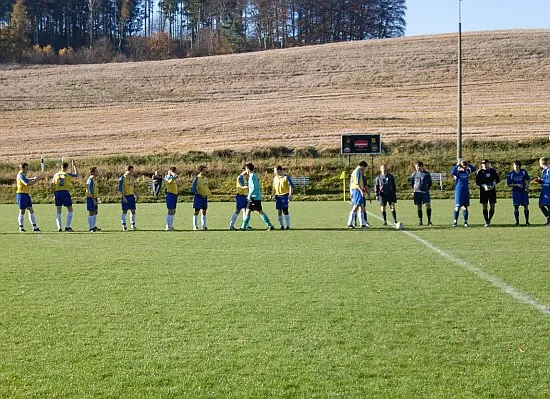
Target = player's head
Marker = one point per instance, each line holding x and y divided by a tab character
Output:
485	164
201	169
516	165
419	165
278	170
249	167
172	169
94	171
65	165
363	164
383	168
24	166
463	164
129	169
543	162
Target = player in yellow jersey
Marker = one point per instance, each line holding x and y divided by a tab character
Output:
282	190
23	196
240	198
92	199
358	192
128	197
62	183
200	201
171	197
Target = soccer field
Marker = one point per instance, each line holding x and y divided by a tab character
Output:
319	311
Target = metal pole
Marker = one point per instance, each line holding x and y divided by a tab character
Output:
459	122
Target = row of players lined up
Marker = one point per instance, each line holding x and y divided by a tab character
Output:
248	197
487	179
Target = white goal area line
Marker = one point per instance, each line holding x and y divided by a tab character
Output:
495	281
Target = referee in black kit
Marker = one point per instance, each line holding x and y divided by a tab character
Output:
487	178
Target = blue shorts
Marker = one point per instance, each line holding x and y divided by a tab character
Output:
171	200
356	198
421	198
240	202
462	198
281	201
63	198
130	204
544	198
200	202
91	205
520	198
23	200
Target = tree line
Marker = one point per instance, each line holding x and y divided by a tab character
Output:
153	29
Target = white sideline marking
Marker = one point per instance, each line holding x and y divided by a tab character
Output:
495	281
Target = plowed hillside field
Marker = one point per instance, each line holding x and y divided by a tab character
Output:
403	88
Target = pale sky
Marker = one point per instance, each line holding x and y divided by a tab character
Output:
428	17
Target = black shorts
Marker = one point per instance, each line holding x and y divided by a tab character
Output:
384	200
487	196
254	205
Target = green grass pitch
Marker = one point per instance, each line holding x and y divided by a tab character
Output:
315	312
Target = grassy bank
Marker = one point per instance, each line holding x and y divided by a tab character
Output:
324	168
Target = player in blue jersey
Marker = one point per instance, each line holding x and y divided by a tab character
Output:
254	199
487	179
128	197
421	181
92	199
23	196
519	180
62	184
386	192
544	180
461	173
283	188
240	198
358	192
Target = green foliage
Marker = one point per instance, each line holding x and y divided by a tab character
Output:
323	167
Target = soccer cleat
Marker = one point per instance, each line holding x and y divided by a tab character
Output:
204	228
60	230
487	225
69	229
517	224
231	228
466	224
386	223
527	224
22	230
248	228
454	225
124	228
365	226
195	228
270	228
350	226
282	227
36	229
133	227
430	223
420	223
287	227
97	228
91	231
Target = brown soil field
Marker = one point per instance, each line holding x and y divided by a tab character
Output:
403	88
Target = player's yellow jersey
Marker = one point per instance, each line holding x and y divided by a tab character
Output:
171	186
282	184
242	185
126	185
63	181
22	183
200	186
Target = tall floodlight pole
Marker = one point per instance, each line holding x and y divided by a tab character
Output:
459	121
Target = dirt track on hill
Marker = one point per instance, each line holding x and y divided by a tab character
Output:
401	88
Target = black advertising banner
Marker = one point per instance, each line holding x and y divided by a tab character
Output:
360	144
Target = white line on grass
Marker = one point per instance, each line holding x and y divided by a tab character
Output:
495	281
